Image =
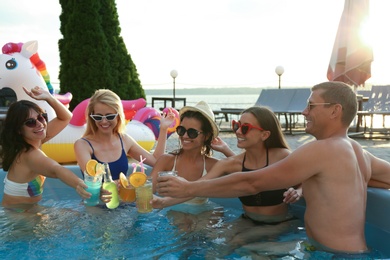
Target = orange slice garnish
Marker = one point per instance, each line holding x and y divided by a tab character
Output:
137	179
91	166
123	180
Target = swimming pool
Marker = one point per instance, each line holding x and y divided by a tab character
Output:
67	229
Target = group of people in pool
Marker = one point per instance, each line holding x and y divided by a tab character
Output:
332	172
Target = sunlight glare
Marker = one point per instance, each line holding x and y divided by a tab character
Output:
366	32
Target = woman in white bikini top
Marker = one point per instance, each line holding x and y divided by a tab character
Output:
194	158
196	200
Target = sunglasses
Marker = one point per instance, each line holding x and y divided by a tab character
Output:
32	122
192	133
310	105
109	117
245	128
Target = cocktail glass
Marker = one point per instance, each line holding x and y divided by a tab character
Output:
167	173
127	194
144	194
94	184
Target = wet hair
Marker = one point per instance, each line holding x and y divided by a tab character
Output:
12	139
206	128
109	98
268	121
339	93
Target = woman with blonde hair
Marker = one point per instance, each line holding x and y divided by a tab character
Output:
105	139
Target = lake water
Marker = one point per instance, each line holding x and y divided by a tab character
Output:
231	98
216	98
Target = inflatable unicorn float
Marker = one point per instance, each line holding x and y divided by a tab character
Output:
20	65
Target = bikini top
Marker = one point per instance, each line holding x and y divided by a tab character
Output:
196	200
116	167
30	189
264	198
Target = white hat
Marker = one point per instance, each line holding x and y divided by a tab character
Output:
203	108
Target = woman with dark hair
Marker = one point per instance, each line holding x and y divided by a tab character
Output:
266	214
193	159
26	128
260	136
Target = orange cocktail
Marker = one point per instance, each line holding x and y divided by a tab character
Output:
127	194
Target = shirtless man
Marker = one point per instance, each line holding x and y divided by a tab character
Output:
334	171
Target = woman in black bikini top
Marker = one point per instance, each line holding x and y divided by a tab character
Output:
260	135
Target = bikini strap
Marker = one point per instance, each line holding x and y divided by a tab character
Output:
120	138
174	164
243	161
93	151
267	159
204	166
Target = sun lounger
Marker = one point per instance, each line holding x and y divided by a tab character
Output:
377	104
287	102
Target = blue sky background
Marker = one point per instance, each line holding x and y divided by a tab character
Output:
213	43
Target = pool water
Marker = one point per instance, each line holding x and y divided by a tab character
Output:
66	229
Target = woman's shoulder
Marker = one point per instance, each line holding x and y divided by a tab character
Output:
33	155
277	154
166	158
165	161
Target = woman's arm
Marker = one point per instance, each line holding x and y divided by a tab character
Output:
39	163
83	153
166	120
63	115
220	168
221	146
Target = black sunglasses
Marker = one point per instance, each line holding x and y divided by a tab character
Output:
192	133
245	128
32	122
109	117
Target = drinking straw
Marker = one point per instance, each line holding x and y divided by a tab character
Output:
140	164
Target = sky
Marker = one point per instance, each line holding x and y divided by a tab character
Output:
213	43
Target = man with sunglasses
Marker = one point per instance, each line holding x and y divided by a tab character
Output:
334	171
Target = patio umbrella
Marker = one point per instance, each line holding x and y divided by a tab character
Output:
351	57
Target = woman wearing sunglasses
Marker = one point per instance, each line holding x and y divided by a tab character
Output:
26	128
193	159
105	139
260	136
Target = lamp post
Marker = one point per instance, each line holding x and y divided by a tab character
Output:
279	70
174	75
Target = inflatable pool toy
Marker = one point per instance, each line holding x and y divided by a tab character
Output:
20	65
151	117
176	123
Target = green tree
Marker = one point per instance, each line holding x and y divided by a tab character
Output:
127	83
92	53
